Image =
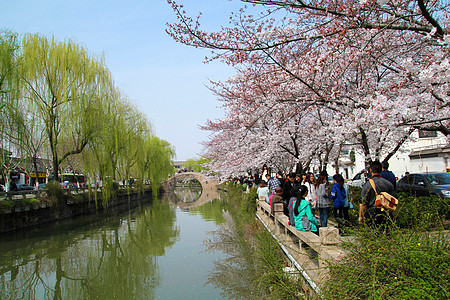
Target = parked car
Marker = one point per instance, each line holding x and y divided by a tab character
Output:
41	186
425	184
356	181
24	187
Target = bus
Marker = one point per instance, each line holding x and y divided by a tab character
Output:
71	180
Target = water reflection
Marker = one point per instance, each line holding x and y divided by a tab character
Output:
111	258
211	211
188	195
236	274
153	252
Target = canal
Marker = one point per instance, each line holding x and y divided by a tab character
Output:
156	251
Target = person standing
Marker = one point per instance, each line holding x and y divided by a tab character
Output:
263	190
290	189
388	175
303	181
338	196
265	170
323	202
347	201
280	178
272	183
12	185
363	177
311	197
374	216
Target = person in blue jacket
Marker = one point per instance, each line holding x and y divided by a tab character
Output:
388	175
304	219
338	196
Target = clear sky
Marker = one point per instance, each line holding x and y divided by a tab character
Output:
166	80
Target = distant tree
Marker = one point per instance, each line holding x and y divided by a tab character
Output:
197	165
156	160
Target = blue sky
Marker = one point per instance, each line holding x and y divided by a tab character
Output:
166	80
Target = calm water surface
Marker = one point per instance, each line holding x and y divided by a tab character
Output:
154	252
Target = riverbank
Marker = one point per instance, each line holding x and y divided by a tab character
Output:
407	263
54	205
254	247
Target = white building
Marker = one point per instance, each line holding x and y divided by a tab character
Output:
423	152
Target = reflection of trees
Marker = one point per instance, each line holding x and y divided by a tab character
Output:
116	261
235	274
212	211
188	195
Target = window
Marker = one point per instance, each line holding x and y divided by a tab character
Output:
439	179
419	180
427	134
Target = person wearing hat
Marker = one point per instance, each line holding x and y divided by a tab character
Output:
277	198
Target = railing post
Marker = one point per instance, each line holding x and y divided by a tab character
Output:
261	199
329	236
278	211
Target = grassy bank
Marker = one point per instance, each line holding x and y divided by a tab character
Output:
267	279
411	262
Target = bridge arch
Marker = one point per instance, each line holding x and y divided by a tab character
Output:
209	187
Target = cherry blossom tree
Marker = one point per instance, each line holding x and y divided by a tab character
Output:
376	69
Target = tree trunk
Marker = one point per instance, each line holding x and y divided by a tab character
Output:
298	168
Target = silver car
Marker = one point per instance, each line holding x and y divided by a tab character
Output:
356	181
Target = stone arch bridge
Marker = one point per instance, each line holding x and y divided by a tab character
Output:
209	187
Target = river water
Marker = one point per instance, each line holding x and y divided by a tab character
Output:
156	251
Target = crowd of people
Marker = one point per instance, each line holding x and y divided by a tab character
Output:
305	195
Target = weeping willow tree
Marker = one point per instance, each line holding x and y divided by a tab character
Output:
113	153
11	121
126	147
60	102
197	165
61	82
135	133
156	160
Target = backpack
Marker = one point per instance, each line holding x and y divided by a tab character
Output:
384	199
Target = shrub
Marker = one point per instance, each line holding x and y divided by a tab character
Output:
54	189
6	205
405	264
422	213
412	212
248	205
55	192
270	263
